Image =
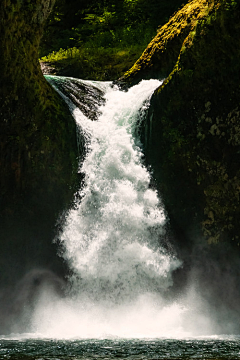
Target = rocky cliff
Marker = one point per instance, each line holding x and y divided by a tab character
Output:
38	150
192	134
192	142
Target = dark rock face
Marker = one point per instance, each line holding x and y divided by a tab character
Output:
191	140
192	135
193	129
38	147
86	97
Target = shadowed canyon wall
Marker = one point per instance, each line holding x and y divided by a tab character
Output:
38	149
191	139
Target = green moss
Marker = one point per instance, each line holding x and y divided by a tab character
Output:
193	145
162	53
31	112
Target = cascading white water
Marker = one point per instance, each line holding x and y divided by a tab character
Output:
112	238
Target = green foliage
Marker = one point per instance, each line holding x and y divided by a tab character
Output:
93	63
102	28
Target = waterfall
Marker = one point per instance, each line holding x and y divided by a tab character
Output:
112	237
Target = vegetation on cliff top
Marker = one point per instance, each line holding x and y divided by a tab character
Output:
101	40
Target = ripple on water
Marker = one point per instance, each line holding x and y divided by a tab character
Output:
218	349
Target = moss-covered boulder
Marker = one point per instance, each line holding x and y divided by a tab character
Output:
38	150
192	136
159	58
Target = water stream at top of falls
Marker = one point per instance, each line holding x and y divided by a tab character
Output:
111	239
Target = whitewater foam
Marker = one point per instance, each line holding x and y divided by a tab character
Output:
112	239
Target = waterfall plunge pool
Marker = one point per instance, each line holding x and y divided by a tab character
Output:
175	349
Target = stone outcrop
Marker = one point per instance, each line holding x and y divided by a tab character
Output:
38	148
191	138
159	58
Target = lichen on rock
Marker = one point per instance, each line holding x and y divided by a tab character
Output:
162	53
38	148
191	138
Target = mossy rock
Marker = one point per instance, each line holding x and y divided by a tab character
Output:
159	58
191	137
39	156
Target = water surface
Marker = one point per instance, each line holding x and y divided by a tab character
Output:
211	348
